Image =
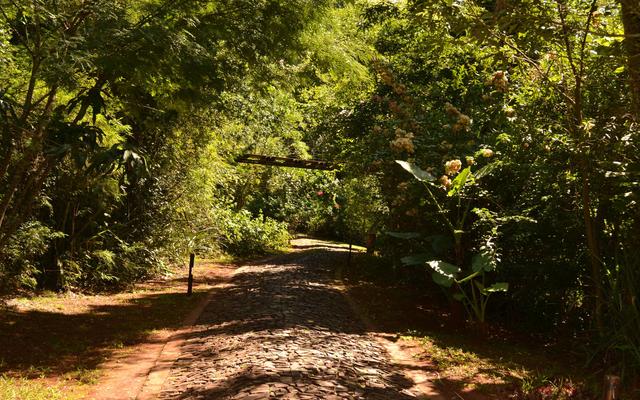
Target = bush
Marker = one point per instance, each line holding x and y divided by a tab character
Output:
104	269
19	258
243	235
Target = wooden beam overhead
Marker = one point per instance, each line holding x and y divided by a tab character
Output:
287	162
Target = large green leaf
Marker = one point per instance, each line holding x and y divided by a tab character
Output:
442	280
416	171
481	262
444	268
487	169
404	235
458	183
416	259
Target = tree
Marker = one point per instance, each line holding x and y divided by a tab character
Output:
630	10
105	85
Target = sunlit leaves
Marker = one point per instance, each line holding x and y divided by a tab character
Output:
482	262
497	287
416	171
460	181
444	273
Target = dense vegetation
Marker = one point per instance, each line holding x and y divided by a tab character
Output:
493	145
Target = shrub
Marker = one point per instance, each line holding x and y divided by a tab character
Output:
243	235
19	258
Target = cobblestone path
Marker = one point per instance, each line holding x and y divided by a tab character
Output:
282	330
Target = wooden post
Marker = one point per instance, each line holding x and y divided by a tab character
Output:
371	242
612	387
192	258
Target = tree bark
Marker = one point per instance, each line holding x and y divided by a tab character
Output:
593	245
631	22
584	168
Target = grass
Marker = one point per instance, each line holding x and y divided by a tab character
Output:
470	366
22	388
36	385
52	345
467	362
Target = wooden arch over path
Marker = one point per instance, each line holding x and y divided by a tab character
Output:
287	162
306	164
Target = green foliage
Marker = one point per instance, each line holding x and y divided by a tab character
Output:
474	294
110	112
361	209
444	273
532	97
19	260
417	173
245	235
120	121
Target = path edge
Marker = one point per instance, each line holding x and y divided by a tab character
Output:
169	353
422	382
171	350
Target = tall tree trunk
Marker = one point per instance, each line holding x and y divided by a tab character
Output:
631	22
593	245
576	55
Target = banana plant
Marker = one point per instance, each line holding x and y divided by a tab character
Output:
471	284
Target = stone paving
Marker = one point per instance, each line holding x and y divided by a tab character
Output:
282	330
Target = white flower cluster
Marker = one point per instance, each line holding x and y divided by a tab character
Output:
463	122
403	141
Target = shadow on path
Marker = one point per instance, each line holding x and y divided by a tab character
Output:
281	329
47	342
71	333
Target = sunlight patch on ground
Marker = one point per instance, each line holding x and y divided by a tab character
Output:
18	388
308	241
480	374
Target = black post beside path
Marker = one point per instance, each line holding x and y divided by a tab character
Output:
350	246
192	258
612	387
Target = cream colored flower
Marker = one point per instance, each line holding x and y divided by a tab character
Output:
452	167
470	160
462	121
451	110
487	153
445	181
403	141
402	144
500	81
